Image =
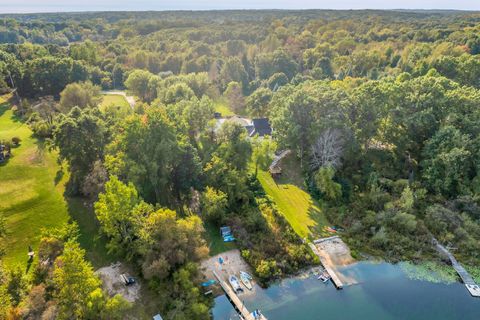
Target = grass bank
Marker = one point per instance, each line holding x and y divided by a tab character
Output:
302	211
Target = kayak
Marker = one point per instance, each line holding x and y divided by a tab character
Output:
246	282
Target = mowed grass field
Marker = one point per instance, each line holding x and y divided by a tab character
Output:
115	103
32	185
302	211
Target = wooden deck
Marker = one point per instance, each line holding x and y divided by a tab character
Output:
236	302
467	279
335	279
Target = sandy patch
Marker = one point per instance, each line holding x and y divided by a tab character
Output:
114	285
233	263
334	253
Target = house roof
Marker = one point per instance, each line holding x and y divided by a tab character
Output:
261	127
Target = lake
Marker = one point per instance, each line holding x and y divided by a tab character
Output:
384	291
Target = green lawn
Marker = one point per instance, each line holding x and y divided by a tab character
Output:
215	240
222	106
31	195
115	103
302	211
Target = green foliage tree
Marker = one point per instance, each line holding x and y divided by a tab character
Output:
169	243
234	148
80	137
142	84
214	205
80	95
233	71
235	97
257	103
117	212
325	183
263	152
447	167
75	281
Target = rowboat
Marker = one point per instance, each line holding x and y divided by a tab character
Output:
246	282
246	275
234	283
324	276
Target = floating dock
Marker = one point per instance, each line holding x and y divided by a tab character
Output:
236	302
467	279
335	279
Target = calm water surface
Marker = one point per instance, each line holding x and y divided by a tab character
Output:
384	292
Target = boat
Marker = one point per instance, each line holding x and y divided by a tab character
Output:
246	275
256	314
324	276
246	282
234	283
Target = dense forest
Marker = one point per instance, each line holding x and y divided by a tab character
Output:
380	108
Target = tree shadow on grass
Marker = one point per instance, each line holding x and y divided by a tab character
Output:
95	244
4	107
58	176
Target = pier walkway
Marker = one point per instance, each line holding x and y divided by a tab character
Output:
335	279
470	284
236	302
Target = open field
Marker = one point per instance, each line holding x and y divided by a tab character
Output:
31	195
302	211
115	103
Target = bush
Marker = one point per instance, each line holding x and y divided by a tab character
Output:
16	141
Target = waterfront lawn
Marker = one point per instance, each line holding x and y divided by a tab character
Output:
302	211
31	194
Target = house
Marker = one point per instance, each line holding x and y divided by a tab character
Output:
261	127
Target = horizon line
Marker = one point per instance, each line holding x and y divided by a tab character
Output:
239	9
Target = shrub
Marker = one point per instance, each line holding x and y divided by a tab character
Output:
16	141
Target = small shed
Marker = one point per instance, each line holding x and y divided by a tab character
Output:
274	168
157	317
225	231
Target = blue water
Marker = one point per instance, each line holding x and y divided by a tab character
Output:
383	292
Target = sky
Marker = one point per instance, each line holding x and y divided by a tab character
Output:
22	6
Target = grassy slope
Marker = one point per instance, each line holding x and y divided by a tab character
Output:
222	106
302	211
31	195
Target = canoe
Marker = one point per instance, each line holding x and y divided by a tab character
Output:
246	282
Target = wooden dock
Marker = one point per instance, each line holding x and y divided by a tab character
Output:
335	279
467	279
235	300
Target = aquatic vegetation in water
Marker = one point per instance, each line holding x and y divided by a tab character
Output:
430	271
